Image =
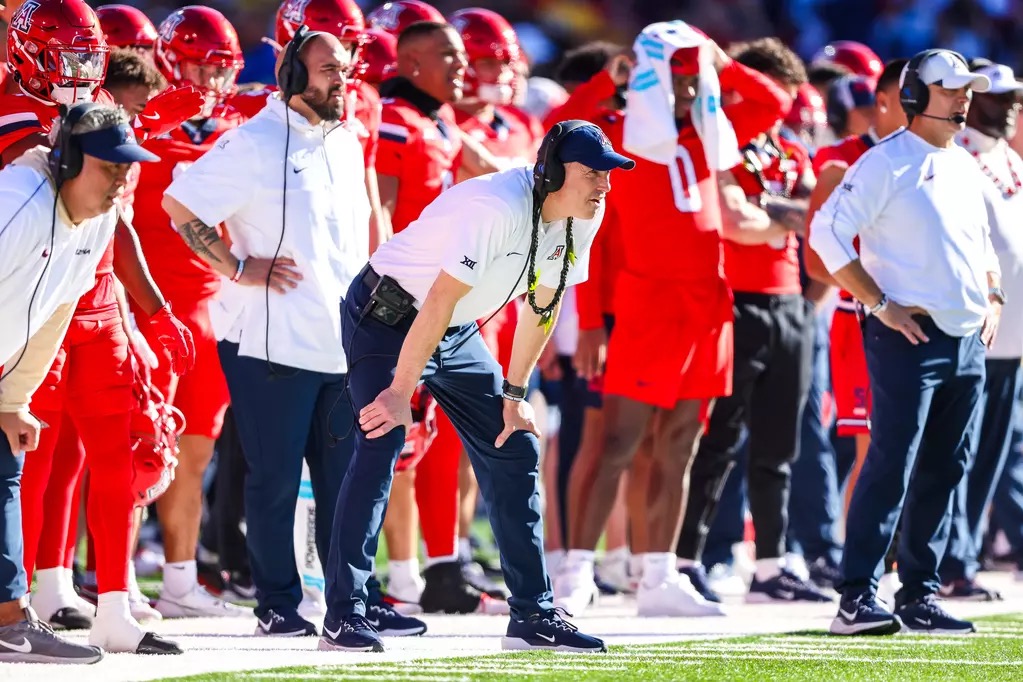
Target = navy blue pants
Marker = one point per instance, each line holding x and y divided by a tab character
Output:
925	422
976	490
13	581
1007	509
466	381
283	416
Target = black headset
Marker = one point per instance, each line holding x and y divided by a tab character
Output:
914	94
549	171
293	76
66	157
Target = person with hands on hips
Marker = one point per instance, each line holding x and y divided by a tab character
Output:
929	276
410	316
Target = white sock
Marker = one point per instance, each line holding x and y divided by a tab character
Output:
576	557
636	566
404	572
616	555
769	568
434	560
681	563
658	567
464	549
180	577
51	593
114	628
554	559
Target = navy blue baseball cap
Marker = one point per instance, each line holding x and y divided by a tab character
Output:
589	146
116	145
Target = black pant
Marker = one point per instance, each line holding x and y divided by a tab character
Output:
773	352
229	504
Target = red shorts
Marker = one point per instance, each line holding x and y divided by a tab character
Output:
850	382
499	332
675	344
201	394
91	376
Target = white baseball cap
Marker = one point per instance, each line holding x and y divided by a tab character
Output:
949	71
1002	79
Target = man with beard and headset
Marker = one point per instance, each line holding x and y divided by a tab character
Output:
288	186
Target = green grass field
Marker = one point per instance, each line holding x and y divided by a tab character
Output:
994	653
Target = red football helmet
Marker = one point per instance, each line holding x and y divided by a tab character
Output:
856	57
341	18
422	432
126	26
808	117
198	46
378	57
56	51
488	36
155	428
395	17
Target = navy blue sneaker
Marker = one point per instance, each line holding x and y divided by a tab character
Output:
697	575
548	630
926	616
968	590
824	574
389	623
279	623
785	586
351	633
862	615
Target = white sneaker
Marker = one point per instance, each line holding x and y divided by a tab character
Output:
574	587
887	586
674	596
614	571
797	566
141	609
198	604
726	582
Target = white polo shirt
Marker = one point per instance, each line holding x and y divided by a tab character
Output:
1005	214
27	215
479	232
920	214
239	182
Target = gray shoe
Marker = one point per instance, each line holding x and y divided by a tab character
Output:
33	641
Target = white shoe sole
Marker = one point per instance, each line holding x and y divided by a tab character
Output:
169	609
840	627
324	645
519	644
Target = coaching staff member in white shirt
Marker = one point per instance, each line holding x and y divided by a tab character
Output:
929	276
410	317
55	224
288	186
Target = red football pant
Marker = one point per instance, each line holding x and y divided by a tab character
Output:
60	501
437	490
90	379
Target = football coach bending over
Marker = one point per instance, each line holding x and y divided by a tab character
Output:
410	316
928	274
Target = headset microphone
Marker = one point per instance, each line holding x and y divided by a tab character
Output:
958	119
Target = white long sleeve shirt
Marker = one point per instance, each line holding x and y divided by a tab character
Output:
1005	214
239	183
42	254
922	221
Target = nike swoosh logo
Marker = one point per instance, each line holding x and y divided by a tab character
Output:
266	625
374	623
549	639
333	635
516	253
785	594
847	615
155	116
23	648
298	170
925	623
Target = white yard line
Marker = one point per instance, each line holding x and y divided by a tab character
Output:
226	645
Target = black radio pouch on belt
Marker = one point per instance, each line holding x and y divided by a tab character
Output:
390	303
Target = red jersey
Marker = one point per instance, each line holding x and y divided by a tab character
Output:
594	298
21	116
670	215
771	268
176	269
511	136
420	148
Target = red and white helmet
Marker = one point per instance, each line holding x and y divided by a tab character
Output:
155	428
340	18
56	51
856	57
395	17
488	35
378	57
808	118
422	432
198	46
126	26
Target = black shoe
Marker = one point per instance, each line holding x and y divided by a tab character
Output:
861	615
824	574
476	576
155	645
548	630
210	576
280	623
69	618
490	569
447	590
925	616
968	590
238	587
785	586
697	575
389	623
351	633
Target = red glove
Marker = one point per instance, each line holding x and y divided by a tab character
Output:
175	339
167	111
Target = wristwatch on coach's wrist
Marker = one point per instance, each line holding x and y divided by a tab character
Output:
998	294
515	393
882	305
